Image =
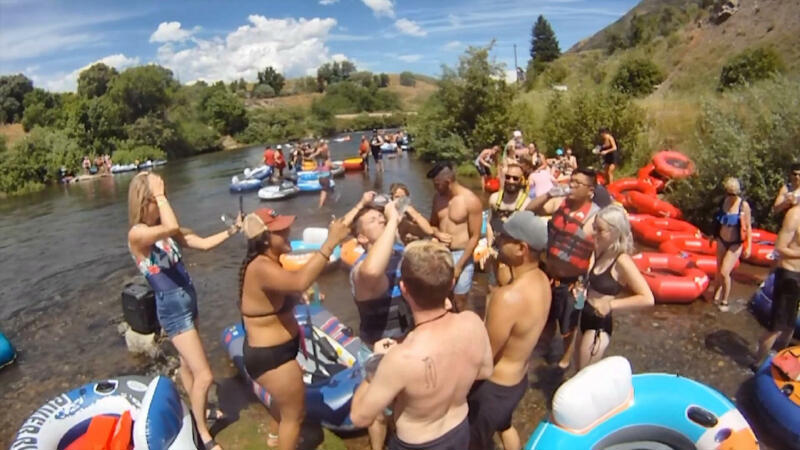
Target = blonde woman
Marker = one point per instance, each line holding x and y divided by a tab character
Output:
267	296
733	234
614	283
153	240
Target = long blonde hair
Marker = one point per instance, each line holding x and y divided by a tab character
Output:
138	194
616	217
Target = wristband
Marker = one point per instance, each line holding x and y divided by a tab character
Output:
327	257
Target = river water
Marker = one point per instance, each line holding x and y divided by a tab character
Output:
65	261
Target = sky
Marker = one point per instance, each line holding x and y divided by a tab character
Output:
52	41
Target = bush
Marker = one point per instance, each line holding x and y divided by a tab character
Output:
555	73
347	97
141	153
196	137
37	159
749	66
407	79
637	77
366	122
263	91
270	125
573	118
751	135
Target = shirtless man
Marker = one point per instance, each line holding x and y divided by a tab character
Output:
457	211
569	249
510	198
426	378
787	287
789	193
515	317
484	163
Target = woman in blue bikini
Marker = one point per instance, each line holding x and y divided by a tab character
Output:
733	235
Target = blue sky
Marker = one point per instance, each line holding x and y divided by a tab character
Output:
52	41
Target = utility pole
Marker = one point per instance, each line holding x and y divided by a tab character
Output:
520	73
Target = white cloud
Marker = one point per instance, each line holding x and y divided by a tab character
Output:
170	32
328	2
410	27
68	82
380	7
453	45
292	46
410	58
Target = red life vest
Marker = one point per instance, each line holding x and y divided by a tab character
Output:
269	157
566	239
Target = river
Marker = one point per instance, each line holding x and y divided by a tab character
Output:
65	262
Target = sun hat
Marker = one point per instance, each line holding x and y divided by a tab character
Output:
265	219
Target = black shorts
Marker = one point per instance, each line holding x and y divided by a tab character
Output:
482	170
562	309
455	439
490	409
785	300
611	158
592	320
377	155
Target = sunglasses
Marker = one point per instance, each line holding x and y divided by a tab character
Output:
513	178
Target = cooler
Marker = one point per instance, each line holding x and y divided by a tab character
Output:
139	308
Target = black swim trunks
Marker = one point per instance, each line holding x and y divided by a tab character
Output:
562	309
260	360
455	439
490	409
482	170
785	300
611	158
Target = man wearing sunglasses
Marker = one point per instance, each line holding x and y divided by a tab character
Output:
512	197
789	194
570	246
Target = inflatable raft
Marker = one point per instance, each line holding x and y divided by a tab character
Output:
120	168
149	164
259	173
653	230
303	250
650	204
142	413
777	395
355	164
311	185
284	190
672	278
672	164
619	188
605	407
7	352
244	184
328	355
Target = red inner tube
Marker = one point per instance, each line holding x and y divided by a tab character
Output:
698	245
654	230
672	164
647	175
619	188
648	204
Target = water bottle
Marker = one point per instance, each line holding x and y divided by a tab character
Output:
315	298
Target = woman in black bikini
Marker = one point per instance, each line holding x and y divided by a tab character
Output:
731	229
267	295
614	283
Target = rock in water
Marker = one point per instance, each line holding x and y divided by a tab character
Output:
141	343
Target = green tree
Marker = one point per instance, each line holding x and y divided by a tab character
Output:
41	109
143	90
225	111
407	79
263	91
544	45
272	78
151	131
94	81
637	77
330	73
749	66
12	93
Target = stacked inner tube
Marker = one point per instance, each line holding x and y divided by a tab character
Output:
653	231
672	278
778	397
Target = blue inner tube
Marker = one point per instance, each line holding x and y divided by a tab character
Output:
307	175
781	414
311	185
666	409
7	352
261	172
330	380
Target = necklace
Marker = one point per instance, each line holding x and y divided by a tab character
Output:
417	325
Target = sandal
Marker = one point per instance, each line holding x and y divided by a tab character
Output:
214	414
210	444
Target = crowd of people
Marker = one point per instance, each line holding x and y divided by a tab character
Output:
100	164
560	262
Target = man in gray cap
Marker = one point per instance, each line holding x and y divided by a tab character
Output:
515	317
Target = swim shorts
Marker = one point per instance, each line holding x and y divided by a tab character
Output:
563	308
611	158
455	439
377	155
785	300
482	170
464	282
176	310
491	406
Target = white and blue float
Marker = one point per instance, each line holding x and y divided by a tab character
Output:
303	249
7	352
120	168
281	191
761	302
778	399
311	185
150	164
605	407
143	413
261	172
328	357
244	184
389	147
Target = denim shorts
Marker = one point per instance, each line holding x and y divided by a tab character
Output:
464	282
176	310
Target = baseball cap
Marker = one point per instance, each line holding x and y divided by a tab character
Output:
438	168
524	226
265	219
517	134
279	146
559	152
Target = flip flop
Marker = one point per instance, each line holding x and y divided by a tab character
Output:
214	414
210	444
